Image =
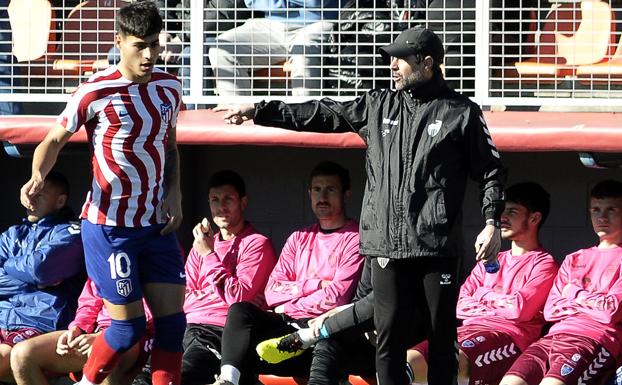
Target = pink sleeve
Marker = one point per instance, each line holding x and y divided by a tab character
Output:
193	271
557	306
194	282
340	290
469	304
602	307
524	303
254	264
282	286
89	306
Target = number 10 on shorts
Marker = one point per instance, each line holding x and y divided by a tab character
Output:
117	268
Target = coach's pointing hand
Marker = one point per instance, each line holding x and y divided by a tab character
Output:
236	113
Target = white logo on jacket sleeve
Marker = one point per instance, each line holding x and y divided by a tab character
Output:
434	128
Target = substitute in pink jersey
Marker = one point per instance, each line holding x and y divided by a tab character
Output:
584	304
501	313
129	112
229	266
318	270
65	351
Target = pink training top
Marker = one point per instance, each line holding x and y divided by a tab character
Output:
310	257
511	300
127	125
92	315
586	296
237	270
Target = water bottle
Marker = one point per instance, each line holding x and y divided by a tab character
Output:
492	266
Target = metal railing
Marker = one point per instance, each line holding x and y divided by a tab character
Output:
529	53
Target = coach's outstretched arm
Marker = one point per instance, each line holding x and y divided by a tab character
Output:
43	160
236	113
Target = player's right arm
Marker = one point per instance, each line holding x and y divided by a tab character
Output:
43	160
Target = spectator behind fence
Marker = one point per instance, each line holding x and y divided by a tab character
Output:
454	21
318	270
294	31
584	305
218	16
65	351
501	312
41	270
225	267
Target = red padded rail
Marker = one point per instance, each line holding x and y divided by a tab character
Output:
512	131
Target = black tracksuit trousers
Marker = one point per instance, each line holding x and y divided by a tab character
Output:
415	299
247	325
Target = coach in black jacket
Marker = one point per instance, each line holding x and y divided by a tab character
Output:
423	140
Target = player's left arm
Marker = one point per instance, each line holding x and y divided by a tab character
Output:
469	301
523	303
171	204
604	306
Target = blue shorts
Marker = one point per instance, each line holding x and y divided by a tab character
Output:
121	259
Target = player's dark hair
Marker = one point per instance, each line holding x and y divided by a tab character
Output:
531	195
59	181
607	189
140	19
227	177
328	168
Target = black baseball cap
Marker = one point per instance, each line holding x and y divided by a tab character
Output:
415	41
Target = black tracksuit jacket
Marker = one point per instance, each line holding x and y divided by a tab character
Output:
422	144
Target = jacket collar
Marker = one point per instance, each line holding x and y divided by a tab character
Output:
428	91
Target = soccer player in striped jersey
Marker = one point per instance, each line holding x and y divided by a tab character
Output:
134	204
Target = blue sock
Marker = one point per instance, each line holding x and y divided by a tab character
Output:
121	335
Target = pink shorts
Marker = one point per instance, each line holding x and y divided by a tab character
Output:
490	354
569	358
12	337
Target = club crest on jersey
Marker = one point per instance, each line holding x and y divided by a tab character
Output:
468	344
124	287
18	338
566	370
434	128
166	112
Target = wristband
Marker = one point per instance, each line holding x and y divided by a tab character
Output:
496	223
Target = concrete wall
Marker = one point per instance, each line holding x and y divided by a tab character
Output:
277	181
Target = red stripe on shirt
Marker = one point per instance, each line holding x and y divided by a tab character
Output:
126	184
138	164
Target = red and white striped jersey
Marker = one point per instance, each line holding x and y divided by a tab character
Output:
127	125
